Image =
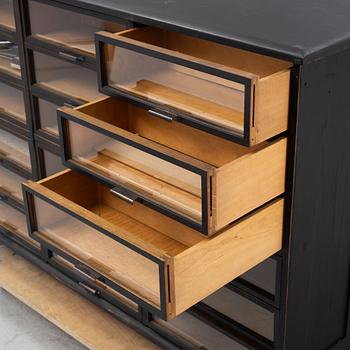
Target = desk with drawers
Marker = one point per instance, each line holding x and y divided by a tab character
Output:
185	164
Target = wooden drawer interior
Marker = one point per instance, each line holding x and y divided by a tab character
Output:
7	15
69	28
202	177
65	78
238	92
11	184
15	150
12	102
154	259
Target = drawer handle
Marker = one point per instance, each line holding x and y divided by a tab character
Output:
160	115
124	194
70	57
71	104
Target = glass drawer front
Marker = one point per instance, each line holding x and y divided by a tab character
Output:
66	78
52	162
244	311
15	222
7	16
66	27
196	333
9	58
12	102
15	149
213	99
11	183
263	276
48	116
148	175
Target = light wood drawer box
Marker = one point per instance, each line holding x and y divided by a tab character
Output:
199	179
144	255
233	93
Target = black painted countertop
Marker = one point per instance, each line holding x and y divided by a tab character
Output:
299	30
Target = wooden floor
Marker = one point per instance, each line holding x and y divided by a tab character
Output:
90	325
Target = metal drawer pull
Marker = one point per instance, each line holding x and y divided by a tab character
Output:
70	57
124	194
70	104
161	115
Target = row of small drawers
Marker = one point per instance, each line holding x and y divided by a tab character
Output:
204	182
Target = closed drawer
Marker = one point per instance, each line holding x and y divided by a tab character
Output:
9	59
7	15
12	105
15	153
66	28
138	251
199	179
226	91
13	223
61	76
11	187
192	333
237	308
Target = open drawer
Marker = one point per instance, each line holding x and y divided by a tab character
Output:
199	179
233	93
140	252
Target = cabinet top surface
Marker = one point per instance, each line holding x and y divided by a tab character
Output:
291	29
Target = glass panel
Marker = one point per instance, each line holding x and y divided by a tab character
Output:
142	172
198	333
9	58
121	298
7	15
114	260
12	102
215	100
11	183
243	311
48	116
14	221
263	276
67	78
14	148
66	27
53	163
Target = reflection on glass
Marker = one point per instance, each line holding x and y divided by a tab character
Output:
11	183
206	96
12	102
48	116
7	15
151	176
9	58
67	78
263	276
243	311
197	333
14	221
15	149
53	163
67	27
